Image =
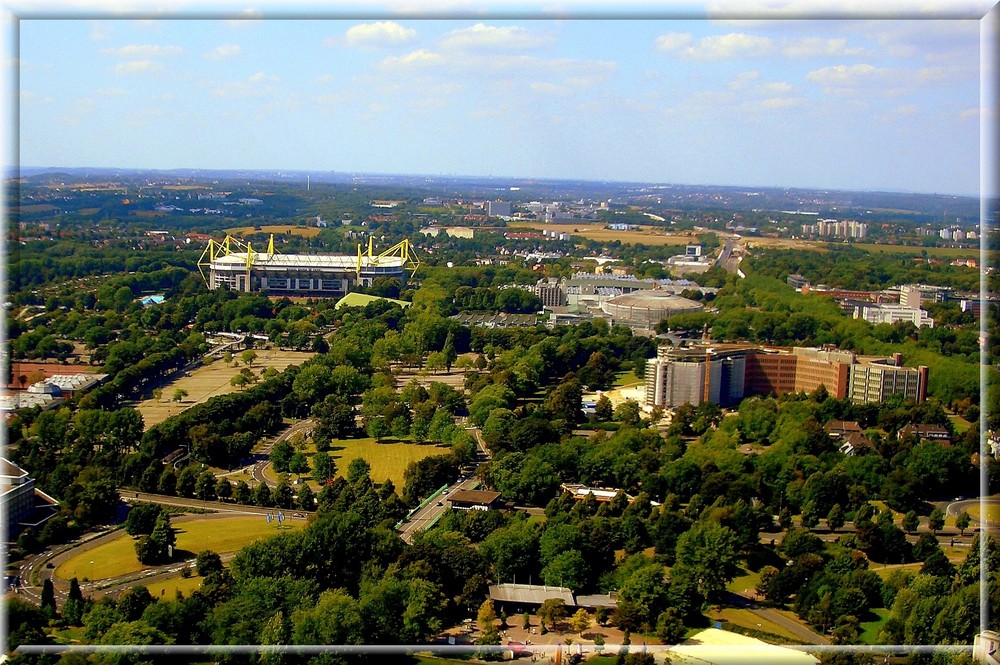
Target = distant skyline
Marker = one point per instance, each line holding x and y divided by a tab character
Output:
826	104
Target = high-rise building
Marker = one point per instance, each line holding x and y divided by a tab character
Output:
551	292
878	380
725	374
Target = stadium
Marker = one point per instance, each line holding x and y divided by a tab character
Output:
644	309
233	264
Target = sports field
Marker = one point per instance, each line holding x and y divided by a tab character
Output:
117	557
304	231
211	380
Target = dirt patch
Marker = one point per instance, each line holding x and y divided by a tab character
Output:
211	380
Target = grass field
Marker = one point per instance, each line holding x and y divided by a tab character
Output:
932	252
167	589
747	619
959	423
745	583
219	535
870	629
277	229
991	514
388	460
211	380
626	379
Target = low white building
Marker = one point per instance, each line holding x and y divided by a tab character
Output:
892	313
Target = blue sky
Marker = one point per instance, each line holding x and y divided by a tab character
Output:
839	104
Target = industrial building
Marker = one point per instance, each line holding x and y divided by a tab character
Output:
235	265
725	374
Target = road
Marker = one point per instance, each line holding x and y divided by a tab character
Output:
427	515
45	563
130	496
264	452
799	630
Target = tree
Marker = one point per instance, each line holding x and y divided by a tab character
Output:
298	464
911	522
248	357
670	627
936	520
179	395
239	381
963	521
141	519
48	600
604	409
707	556
551	612
281	456
205	488
358	471
628	412
835	518
324	467
208	562
486	616
305	500
377	428
580	621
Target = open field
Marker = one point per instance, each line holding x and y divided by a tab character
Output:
747	619
219	535
625	379
304	231
388	460
991	514
168	589
211	380
871	629
959	423
591	230
455	378
932	252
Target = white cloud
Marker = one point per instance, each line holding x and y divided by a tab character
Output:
672	41
733	45
492	37
99	31
143	51
136	67
224	51
845	75
112	92
973	113
775	103
776	88
548	88
380	33
257	85
419	58
811	47
743	79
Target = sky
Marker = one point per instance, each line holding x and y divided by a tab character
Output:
836	104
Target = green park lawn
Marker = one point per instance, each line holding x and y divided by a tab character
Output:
387	460
991	514
168	588
118	556
870	629
626	379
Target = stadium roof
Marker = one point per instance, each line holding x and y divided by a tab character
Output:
285	261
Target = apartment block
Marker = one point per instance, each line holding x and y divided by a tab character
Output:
725	374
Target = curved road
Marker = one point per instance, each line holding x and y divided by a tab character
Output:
264	452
